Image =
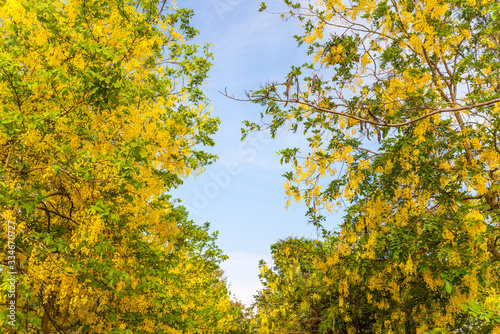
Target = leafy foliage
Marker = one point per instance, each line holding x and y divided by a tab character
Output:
400	106
297	296
101	115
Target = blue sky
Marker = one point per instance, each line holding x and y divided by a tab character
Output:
242	194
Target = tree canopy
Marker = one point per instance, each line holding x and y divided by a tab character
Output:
400	105
102	113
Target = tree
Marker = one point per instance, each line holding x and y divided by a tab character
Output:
400	106
290	300
102	113
296	297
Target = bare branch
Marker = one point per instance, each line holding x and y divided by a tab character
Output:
366	120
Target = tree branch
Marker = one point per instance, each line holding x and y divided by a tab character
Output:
361	119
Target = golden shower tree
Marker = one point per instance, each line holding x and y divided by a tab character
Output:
401	108
101	114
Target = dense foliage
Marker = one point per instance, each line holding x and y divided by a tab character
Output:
101	115
401	108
